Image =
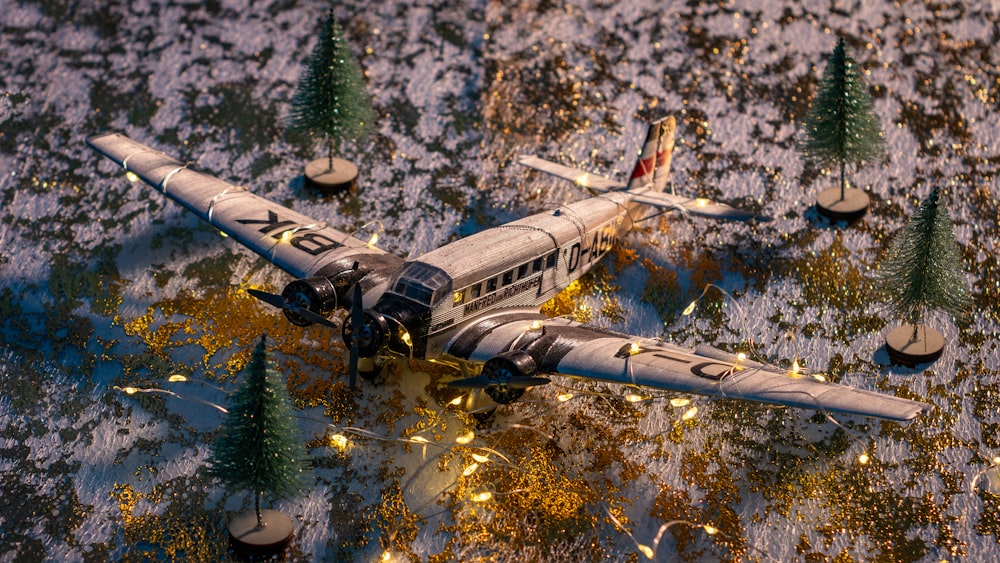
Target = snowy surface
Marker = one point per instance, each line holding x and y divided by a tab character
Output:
104	285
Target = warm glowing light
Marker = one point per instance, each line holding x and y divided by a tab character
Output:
286	236
795	366
583	180
481	494
373	239
479	458
647	551
689	309
386	556
470	470
456	401
458	296
996	460
863	459
131	176
176	378
565	397
406	339
224	235
690	413
633	398
466	438
819	377
418	439
130	390
634	349
339	441
535	326
680	402
710	529
741	356
701	202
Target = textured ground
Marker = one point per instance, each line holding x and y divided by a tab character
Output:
105	285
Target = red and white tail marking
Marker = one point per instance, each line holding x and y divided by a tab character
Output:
653	167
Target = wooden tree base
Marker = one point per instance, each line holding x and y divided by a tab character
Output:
342	178
853	207
252	543
906	352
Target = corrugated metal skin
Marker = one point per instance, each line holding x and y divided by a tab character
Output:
496	250
251	220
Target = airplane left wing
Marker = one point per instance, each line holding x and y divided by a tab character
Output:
295	243
565	347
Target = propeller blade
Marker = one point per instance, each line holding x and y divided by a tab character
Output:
357	325
279	302
478	382
481	382
269	298
312	317
353	366
525	382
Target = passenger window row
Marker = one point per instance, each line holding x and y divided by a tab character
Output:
523	271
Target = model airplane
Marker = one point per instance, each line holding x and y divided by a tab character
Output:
474	303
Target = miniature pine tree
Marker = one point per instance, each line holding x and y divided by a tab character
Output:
841	127
330	98
260	448
923	269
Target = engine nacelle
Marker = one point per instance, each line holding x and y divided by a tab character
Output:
504	371
318	294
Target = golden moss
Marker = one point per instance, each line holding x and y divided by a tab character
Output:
829	278
662	290
176	523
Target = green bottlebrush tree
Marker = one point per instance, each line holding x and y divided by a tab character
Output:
841	127
330	99
922	268
260	448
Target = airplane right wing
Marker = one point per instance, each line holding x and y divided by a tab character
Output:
295	243
693	205
528	345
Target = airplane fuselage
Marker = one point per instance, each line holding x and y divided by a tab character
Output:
521	264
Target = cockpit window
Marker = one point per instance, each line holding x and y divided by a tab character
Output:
422	283
419	293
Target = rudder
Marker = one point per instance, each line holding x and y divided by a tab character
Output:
652	169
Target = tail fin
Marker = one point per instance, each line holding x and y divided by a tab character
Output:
653	167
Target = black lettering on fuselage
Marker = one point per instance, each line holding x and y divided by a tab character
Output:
502	295
601	242
574	258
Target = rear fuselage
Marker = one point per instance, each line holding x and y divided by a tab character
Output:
521	264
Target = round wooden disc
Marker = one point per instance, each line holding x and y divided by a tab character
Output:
341	178
272	538
853	207
907	352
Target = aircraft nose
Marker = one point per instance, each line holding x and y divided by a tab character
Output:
370	333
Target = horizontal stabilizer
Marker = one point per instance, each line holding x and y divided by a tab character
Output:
661	200
693	205
575	175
